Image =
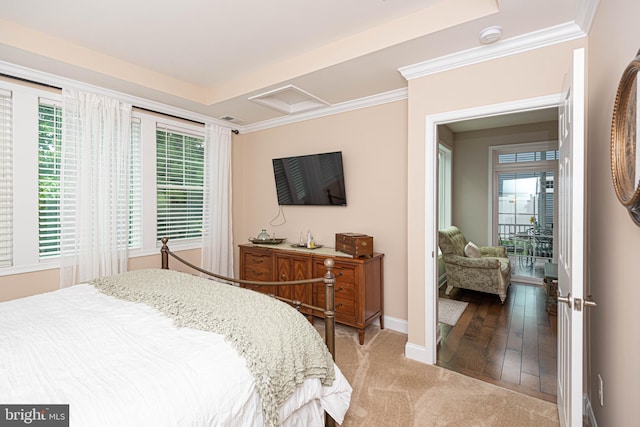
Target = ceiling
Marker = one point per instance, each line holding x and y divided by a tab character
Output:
211	57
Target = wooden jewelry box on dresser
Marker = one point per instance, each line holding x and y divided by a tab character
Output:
359	286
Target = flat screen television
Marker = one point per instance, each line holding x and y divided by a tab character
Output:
314	179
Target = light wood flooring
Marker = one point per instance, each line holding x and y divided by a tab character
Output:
512	345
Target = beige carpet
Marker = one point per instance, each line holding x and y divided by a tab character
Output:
391	390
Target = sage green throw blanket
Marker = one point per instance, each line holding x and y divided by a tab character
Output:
281	347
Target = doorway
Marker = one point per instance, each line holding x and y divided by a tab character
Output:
483	226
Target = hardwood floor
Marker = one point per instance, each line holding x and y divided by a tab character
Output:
512	345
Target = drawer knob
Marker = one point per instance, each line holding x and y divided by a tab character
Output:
283	277
257	273
340	274
339	304
339	289
257	260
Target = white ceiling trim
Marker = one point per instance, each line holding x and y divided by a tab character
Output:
35	76
534	40
586	12
356	104
518	106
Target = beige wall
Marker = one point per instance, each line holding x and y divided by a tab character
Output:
612	238
24	285
526	75
27	284
471	186
373	142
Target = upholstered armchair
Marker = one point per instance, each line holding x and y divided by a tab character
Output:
484	268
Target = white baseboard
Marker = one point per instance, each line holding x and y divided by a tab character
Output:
418	353
411	351
589	417
395	324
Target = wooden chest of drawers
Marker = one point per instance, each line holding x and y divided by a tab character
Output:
256	264
359	286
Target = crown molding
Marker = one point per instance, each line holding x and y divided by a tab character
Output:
586	12
356	104
534	40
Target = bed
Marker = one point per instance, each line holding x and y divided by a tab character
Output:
159	347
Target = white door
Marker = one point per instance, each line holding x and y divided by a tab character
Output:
571	229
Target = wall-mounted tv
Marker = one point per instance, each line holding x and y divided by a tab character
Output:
314	179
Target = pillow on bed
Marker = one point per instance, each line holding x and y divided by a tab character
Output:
471	250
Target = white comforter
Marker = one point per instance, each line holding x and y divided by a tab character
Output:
121	363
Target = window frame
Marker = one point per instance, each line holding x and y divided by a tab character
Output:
192	132
496	168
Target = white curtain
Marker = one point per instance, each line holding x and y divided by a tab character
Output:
217	242
94	186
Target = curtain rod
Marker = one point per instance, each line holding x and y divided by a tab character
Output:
234	131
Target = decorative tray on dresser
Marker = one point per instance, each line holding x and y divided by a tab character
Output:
359	285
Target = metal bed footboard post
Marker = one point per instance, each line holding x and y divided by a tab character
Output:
329	280
329	307
330	319
164	254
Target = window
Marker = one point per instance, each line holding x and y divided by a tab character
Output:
30	178
180	183
49	162
135	186
444	186
524	203
6	180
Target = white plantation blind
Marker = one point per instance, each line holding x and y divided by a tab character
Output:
135	189
180	183
528	156
6	179
49	157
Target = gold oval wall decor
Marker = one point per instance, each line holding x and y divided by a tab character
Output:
625	153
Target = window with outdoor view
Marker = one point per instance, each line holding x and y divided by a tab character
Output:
180	183
49	162
525	203
31	168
